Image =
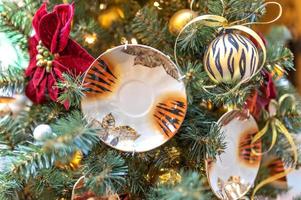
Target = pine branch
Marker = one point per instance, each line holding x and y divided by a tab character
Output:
52	183
190	188
15	21
209	7
236	10
292	116
147	27
72	132
233	10
169	156
137	182
197	81
24	124
8	187
105	173
194	41
30	159
8	132
12	80
279	58
202	139
72	90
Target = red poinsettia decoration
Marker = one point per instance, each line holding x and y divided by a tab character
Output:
261	98
53	53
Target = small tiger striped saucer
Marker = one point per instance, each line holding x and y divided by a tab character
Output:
233	173
135	97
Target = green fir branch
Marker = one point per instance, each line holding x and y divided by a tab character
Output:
72	90
279	58
194	41
136	181
31	116
48	184
8	187
15	21
200	138
191	187
9	133
12	79
29	159
236	10
72	132
147	26
105	173
292	116
69	134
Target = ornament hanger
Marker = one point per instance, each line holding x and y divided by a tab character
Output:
216	21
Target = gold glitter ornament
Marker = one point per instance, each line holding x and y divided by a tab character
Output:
72	163
207	105
180	19
109	16
169	176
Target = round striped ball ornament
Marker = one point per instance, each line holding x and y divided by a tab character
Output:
231	58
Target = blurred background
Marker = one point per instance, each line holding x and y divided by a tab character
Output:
291	18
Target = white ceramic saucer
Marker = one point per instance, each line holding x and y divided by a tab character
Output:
135	97
233	173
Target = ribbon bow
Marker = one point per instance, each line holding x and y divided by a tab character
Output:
277	127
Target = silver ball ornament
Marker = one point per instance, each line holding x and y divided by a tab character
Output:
42	132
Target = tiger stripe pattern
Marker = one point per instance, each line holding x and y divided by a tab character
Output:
169	115
100	79
245	149
276	166
231	57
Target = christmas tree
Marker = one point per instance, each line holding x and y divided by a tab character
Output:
218	120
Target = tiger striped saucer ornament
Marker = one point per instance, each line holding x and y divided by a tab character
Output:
135	97
231	58
232	175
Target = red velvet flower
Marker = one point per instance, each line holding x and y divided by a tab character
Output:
260	99
53	53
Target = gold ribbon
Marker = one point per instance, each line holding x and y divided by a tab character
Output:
215	21
277	127
78	184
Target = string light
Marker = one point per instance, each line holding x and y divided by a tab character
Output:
169	176
134	41
125	41
157	4
90	38
102	6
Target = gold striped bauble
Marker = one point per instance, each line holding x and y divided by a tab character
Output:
231	58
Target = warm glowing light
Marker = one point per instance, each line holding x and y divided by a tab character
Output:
109	16
134	41
90	38
124	40
102	6
157	4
